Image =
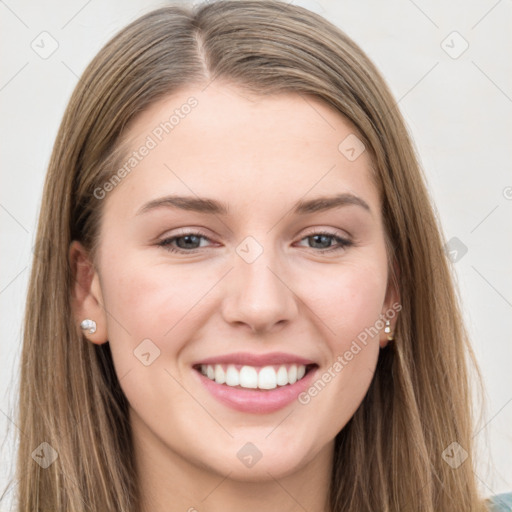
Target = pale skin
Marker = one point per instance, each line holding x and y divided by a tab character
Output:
259	156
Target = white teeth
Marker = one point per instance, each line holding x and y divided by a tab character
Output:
282	376
220	375
248	377
232	376
251	377
267	378
292	374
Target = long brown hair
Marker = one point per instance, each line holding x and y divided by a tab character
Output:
389	457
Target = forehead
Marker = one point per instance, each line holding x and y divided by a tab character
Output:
222	142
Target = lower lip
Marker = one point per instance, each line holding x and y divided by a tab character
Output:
257	401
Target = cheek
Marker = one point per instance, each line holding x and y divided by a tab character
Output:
349	301
160	302
152	314
348	308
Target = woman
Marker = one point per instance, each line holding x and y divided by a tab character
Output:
250	303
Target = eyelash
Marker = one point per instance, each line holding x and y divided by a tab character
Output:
342	242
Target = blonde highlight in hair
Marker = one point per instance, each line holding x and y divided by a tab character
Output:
388	456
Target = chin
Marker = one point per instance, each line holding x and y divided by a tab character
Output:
257	462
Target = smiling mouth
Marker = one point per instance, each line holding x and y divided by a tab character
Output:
255	377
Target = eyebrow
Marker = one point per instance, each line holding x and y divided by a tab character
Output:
213	207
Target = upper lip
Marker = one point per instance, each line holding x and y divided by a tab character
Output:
245	358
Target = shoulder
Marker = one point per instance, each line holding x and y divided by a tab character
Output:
500	502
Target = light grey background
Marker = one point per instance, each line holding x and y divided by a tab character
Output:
458	109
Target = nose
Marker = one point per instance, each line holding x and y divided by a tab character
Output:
258	295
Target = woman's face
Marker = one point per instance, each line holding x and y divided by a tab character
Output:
246	237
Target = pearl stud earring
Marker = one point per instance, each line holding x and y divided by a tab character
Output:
89	324
387	330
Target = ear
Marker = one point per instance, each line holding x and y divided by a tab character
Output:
86	299
392	304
